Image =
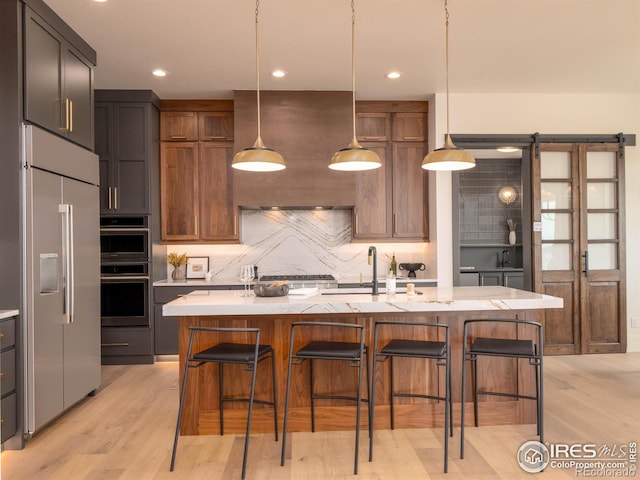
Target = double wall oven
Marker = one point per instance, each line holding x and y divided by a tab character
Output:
124	271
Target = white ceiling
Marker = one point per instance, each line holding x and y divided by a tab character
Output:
496	46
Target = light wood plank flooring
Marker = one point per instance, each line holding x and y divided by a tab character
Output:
126	432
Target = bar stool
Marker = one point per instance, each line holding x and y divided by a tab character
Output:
439	351
503	347
354	352
249	354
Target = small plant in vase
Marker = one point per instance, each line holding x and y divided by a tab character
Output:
177	261
512	231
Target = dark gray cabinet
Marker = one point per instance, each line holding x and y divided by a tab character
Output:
8	378
127	131
58	82
504	278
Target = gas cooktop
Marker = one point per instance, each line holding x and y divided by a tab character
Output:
301	281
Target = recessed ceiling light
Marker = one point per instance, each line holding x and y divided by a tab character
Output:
393	75
100	1
158	72
507	149
278	73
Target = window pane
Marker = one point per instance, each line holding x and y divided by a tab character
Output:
601	226
602	256
556	226
556	256
601	195
555	165
555	195
601	165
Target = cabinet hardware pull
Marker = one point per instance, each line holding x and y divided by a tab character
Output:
178	137
357	225
1	335
115	198
481	281
373	138
411	138
196	224
506	281
1	420
395	224
218	137
71	115
121	344
585	255
109	198
66	114
235	225
1	374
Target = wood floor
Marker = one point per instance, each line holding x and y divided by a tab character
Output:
126	432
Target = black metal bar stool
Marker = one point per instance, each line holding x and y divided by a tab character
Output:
355	352
502	347
249	354
436	350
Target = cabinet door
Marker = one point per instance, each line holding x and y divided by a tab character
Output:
131	181
409	192
218	218
373	127
373	203
490	279
103	113
514	280
179	191
215	125
165	333
179	126
43	74
78	97
409	127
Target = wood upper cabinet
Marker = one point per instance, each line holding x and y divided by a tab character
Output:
179	126
179	191
373	127
409	127
372	213
215	125
409	192
218	219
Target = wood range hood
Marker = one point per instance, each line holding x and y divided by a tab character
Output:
306	128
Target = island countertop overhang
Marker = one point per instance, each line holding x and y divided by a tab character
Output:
432	299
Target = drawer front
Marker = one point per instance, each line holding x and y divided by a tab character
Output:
7	333
9	415
8	372
126	341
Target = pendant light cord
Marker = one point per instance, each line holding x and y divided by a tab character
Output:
258	69
446	54
353	64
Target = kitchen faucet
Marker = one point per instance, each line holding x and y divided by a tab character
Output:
373	260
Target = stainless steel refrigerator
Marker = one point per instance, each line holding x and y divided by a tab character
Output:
62	275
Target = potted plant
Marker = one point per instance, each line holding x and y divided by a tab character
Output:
512	231
177	261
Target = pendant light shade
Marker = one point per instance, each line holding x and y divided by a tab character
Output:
355	157
258	158
449	157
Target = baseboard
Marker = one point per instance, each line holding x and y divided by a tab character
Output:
633	343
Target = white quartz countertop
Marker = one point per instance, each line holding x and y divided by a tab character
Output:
8	314
431	299
227	282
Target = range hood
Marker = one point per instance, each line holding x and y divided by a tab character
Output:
306	128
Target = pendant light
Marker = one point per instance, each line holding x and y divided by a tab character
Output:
449	157
355	157
258	158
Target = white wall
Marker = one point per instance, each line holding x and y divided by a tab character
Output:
546	114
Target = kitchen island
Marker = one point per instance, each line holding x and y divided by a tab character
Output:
274	317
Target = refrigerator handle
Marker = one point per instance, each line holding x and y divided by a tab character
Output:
67	261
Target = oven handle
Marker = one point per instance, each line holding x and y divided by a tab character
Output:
126	277
123	229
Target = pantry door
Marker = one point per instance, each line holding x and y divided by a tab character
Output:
579	252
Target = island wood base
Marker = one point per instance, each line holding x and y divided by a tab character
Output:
201	409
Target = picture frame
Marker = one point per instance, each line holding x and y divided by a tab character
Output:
197	267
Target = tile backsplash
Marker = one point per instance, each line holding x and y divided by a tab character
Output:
303	242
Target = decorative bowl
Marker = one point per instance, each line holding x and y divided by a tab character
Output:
412	268
270	290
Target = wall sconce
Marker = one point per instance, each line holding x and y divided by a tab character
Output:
507	195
